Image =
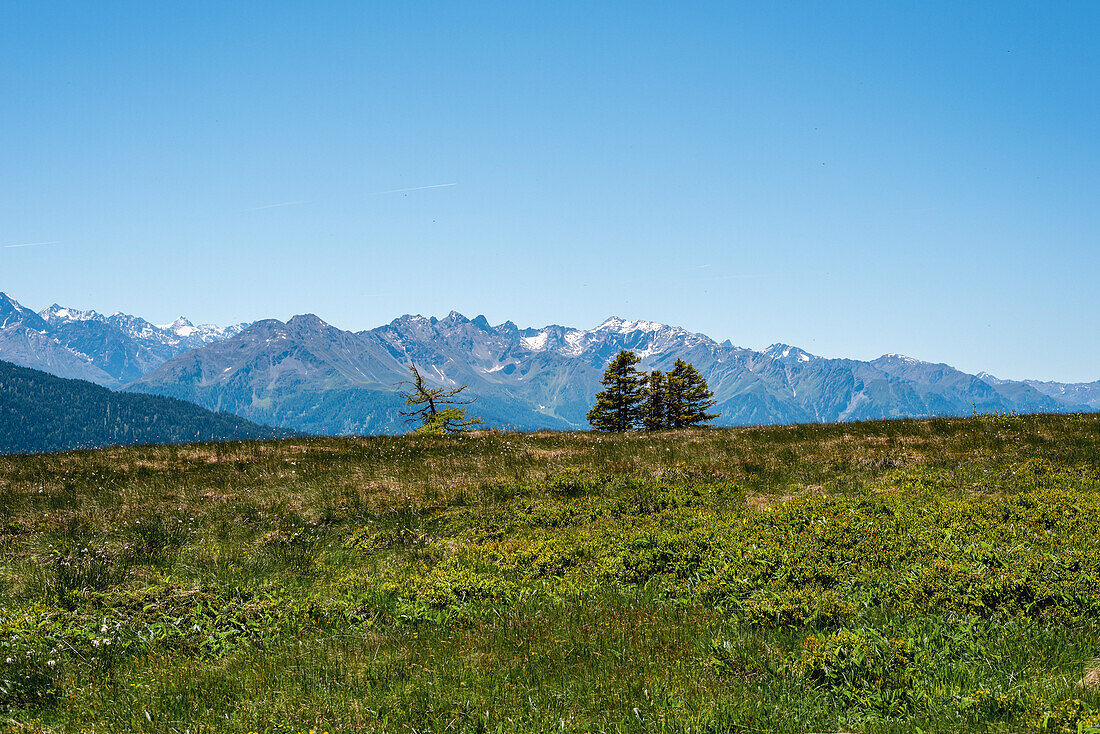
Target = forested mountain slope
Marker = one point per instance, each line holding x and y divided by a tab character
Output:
40	412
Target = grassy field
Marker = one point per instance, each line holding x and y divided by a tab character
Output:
920	576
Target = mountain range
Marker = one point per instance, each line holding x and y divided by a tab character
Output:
108	350
305	374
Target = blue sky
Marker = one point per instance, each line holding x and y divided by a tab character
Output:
853	178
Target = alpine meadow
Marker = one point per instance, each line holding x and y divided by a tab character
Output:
536	368
933	575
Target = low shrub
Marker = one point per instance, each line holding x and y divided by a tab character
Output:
861	667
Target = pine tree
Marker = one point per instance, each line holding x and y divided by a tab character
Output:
616	407
687	397
439	410
653	410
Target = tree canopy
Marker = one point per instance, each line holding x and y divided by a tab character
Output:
654	405
687	398
616	407
633	400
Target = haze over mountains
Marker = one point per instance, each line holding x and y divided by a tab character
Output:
307	375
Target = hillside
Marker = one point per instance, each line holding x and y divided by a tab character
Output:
40	412
892	576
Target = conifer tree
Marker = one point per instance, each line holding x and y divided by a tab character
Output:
687	398
654	415
437	409
616	407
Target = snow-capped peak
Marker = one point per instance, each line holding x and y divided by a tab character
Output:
180	327
56	314
786	351
644	338
201	334
901	358
989	379
618	325
537	342
13	312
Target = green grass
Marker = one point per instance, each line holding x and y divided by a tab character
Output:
938	575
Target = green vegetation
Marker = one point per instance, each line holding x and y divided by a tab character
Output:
939	575
438	410
654	405
40	412
617	405
687	398
632	400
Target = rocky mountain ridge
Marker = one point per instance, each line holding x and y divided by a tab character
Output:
107	350
546	378
305	374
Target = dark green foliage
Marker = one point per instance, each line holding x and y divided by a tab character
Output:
688	399
438	410
617	405
40	412
653	408
651	402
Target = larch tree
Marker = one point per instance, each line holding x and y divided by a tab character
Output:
438	410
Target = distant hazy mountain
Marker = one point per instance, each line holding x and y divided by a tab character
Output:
108	350
1083	393
308	375
40	412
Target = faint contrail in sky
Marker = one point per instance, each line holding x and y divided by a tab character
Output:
282	203
415	188
733	277
32	244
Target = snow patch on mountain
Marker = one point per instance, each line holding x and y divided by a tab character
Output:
537	342
902	358
180	327
621	326
120	347
201	334
56	314
786	352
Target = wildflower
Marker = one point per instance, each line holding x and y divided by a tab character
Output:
51	663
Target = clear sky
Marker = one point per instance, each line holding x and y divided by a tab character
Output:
853	178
